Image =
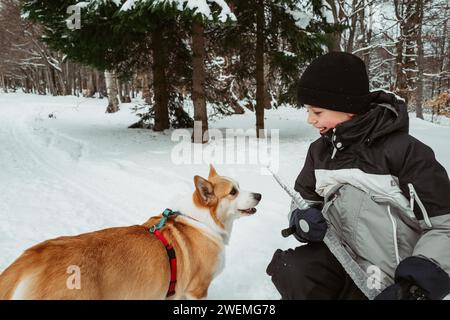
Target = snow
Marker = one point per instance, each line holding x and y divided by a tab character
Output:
198	6
82	4
25	15
302	13
69	168
302	19
128	5
327	12
437	119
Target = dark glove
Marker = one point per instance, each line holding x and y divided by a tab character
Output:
309	224
417	278
402	290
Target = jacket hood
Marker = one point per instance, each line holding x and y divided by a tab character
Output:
388	114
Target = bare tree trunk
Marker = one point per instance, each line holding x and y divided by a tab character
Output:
95	81
366	30
411	26
120	91
268	88
351	38
72	78
28	85
146	92
198	83
160	81
133	88
400	86
126	92
80	81
30	81
259	56
101	85
400	82
91	83
444	52
59	82
111	88
56	81
85	86
43	82
335	44
68	78
50	82
5	88
406	47
420	61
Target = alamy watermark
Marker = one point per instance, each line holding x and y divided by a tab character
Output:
374	279
228	146
73	22
74	280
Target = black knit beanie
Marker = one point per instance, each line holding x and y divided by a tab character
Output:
336	81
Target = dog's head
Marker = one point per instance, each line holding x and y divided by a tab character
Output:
223	197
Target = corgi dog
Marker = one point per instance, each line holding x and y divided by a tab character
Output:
132	262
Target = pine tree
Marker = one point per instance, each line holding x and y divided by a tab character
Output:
191	19
267	48
126	36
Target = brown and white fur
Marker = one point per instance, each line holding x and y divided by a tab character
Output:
131	263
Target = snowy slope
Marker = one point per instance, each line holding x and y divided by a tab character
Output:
83	170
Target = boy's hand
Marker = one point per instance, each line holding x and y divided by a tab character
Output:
402	290
417	278
309	224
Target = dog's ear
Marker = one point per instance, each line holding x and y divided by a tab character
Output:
212	172
205	189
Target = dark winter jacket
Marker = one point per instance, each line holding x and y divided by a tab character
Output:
386	195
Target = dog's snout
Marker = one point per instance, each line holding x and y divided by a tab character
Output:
257	196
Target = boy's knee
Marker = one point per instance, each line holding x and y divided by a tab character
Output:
282	262
289	270
282	269
295	262
294	272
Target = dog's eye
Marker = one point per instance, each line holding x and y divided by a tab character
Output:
233	191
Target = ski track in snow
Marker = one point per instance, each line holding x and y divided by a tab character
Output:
83	170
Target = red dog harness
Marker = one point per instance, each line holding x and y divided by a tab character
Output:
169	248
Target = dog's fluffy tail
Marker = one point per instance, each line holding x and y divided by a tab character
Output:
11	277
9	280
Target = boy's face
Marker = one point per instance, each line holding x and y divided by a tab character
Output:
324	119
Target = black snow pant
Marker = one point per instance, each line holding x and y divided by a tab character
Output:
311	272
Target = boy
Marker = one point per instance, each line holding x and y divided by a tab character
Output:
380	189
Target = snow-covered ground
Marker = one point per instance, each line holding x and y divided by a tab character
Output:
83	170
442	120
